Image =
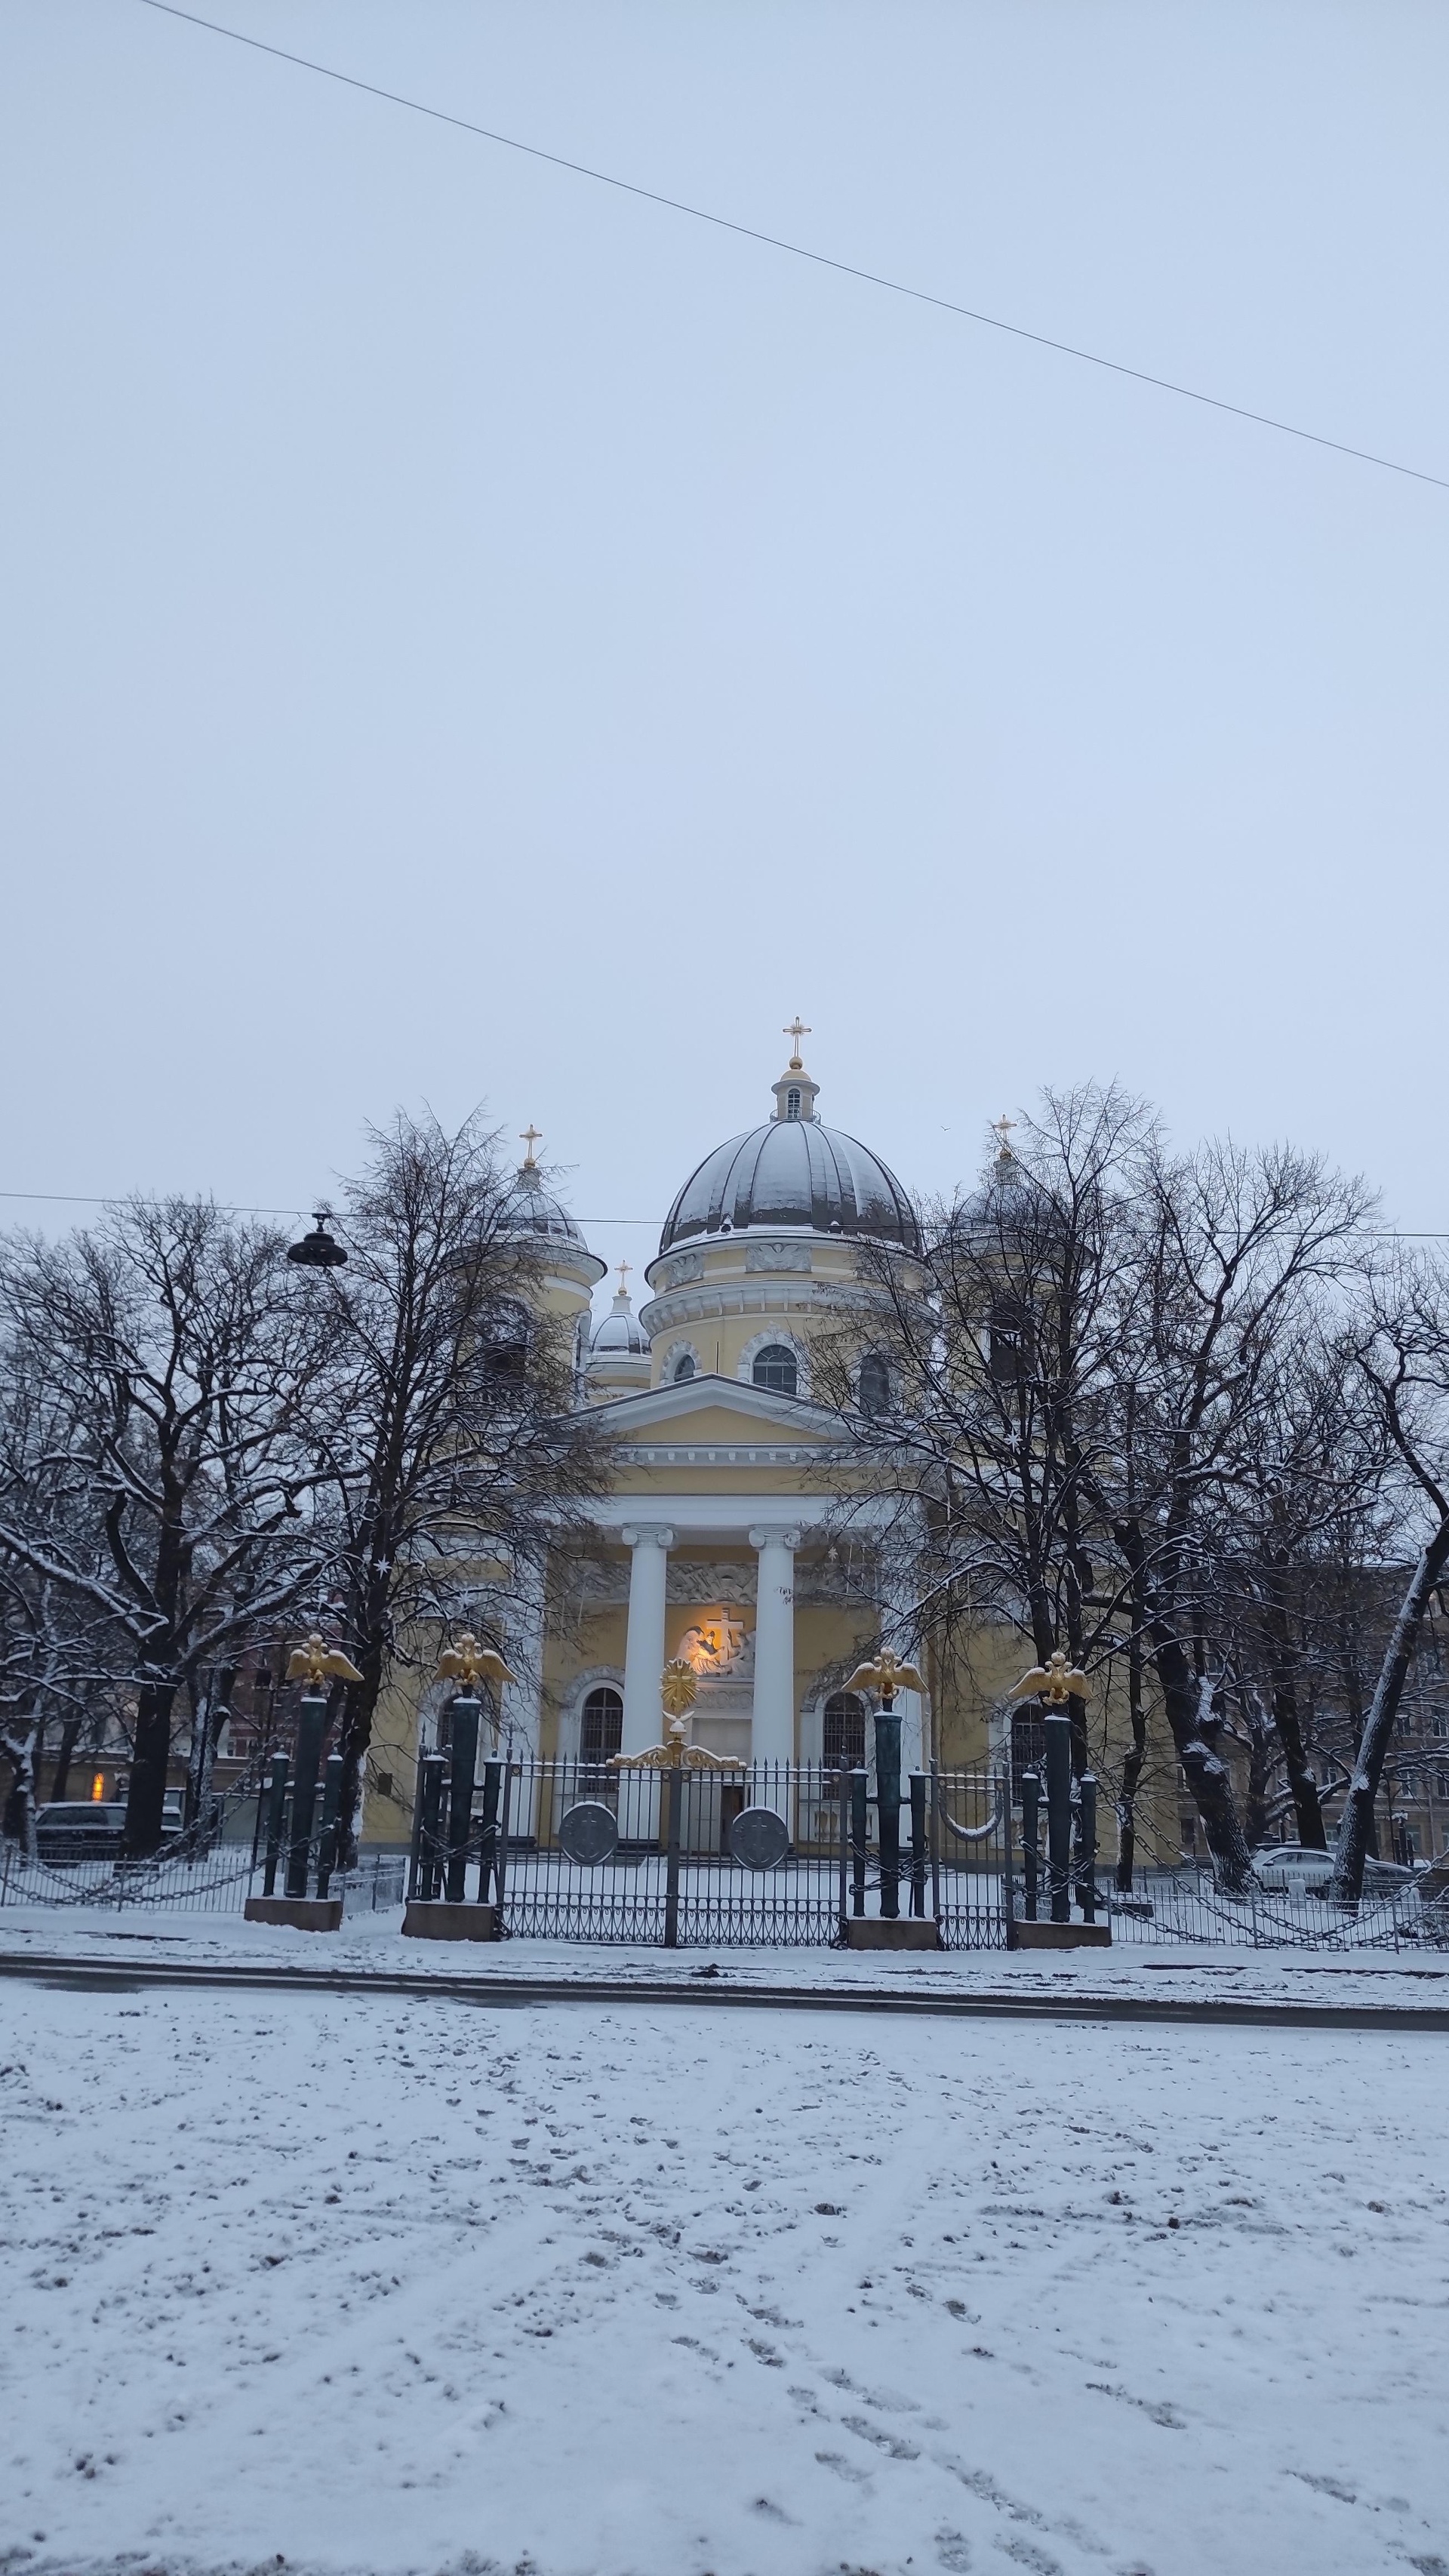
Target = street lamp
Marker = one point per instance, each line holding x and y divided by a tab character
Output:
886	1676
318	1250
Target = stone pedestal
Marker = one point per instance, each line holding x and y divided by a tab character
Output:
867	1932
303	1913
1059	1936
436	1920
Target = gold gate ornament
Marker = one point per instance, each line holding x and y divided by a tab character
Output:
678	1691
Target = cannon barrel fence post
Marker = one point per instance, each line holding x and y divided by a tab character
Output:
311	1727
1001	1790
466	1710
859	1822
430	1843
934	1830
276	1820
674	1778
1087	1855
1030	1839
1059	1813
331	1806
500	1858
488	1829
843	1785
415	1844
888	1802
918	1845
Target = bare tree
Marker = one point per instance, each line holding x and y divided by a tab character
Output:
1232	1249
992	1390
444	1426
176	1358
1076	1370
1402	1356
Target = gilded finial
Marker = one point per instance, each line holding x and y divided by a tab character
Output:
797	1030
530	1136
624	1269
468	1663
316	1663
1001	1129
1056	1681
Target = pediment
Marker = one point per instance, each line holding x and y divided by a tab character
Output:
714	1412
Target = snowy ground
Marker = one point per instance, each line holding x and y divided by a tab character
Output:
354	2282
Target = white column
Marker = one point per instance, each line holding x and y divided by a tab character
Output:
644	1649
772	1735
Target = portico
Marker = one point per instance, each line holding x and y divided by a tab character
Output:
717	1547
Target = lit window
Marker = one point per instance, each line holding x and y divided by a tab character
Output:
775	1368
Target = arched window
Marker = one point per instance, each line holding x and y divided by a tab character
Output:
792	1103
504	1347
875	1384
601	1725
843	1740
777	1368
683	1367
1010	1340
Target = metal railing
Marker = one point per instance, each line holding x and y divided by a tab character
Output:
755	1855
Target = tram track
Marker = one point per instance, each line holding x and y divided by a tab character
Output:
99	1975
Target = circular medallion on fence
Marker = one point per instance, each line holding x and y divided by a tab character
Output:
589	1832
759	1838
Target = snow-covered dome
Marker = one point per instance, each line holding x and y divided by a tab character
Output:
620	1331
533	1210
792	1171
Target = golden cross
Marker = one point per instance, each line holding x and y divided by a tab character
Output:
530	1136
1001	1128
624	1269
797	1030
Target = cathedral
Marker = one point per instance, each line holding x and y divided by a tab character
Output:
733	1533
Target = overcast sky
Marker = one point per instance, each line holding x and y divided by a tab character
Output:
471	635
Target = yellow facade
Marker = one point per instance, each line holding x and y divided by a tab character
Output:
733	1532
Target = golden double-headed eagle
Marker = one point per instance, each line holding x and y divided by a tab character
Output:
468	1663
315	1664
887	1674
1056	1681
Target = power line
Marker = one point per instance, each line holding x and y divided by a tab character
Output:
798	250
654	1224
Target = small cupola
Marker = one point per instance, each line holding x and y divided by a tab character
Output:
795	1093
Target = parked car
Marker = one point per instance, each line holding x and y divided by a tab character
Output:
79	1829
76	1829
1292	1866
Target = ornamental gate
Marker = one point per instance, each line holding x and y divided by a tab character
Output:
761	1855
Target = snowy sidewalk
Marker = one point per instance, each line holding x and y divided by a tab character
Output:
353	2285
371	1946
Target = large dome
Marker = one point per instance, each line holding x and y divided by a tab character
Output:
792	1171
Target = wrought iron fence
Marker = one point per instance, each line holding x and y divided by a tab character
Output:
757	1855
